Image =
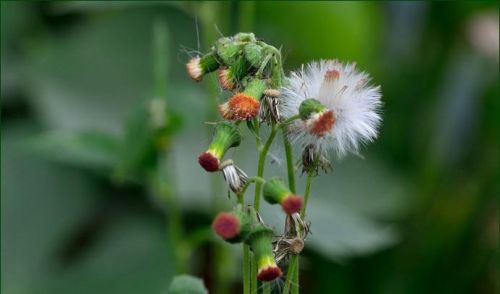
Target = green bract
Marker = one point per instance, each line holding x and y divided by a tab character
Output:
225	136
274	191
309	107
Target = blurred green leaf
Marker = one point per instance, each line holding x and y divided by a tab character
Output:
95	149
185	284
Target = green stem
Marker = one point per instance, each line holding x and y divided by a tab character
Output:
292	280
291	273
258	187
246	256
306	195
260	167
289	162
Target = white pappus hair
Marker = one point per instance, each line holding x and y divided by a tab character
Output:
356	105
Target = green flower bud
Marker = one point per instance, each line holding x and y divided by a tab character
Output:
226	136
229	52
260	240
253	53
231	76
309	107
275	191
245	37
197	67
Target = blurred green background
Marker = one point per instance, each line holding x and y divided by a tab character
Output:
88	202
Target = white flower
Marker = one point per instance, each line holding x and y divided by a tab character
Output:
351	116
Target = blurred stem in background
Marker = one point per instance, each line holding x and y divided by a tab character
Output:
164	181
209	13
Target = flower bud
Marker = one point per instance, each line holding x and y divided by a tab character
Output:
245	37
318	117
260	240
230	76
229	52
198	66
226	136
244	105
253	53
275	191
234	226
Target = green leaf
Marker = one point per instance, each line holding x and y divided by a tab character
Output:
90	149
185	284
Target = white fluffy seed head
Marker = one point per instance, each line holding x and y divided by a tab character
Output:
342	89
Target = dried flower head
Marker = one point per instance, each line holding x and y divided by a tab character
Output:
234	176
340	109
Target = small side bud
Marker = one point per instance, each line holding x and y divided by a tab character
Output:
198	66
229	77
225	136
260	240
275	191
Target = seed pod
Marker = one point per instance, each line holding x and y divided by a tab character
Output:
260	240
198	66
275	191
226	136
244	105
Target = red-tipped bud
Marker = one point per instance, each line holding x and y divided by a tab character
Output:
226	225
269	273
292	204
209	162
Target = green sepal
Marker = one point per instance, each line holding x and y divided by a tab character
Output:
255	88
309	107
209	63
260	240
226	135
274	191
